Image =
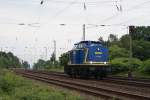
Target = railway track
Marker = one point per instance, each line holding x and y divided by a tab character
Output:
97	88
120	80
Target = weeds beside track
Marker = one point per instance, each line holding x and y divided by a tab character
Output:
101	88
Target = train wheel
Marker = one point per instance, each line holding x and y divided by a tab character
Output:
87	73
96	73
74	72
103	74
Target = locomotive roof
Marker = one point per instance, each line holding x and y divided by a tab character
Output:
95	42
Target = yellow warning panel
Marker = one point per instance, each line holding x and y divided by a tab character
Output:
98	53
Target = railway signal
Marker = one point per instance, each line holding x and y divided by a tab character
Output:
130	30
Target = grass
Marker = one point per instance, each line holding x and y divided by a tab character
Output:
13	87
141	74
56	69
137	74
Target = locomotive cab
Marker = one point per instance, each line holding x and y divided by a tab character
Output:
88	58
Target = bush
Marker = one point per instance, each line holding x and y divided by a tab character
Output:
116	52
145	68
119	65
8	82
64	58
8	60
13	87
122	65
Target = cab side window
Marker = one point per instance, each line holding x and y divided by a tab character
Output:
80	45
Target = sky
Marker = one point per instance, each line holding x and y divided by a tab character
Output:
28	29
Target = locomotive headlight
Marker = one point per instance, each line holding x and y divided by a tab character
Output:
91	62
105	62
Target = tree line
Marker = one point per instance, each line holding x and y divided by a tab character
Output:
119	50
9	60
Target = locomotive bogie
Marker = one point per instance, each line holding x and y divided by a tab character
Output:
87	71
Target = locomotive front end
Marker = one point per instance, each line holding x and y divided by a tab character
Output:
88	59
96	55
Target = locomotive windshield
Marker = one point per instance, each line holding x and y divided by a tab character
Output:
83	44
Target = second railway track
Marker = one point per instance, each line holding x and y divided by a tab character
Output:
103	88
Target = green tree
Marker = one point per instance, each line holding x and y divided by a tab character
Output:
8	60
112	38
141	49
124	42
140	32
4	62
40	64
26	65
122	64
119	65
64	58
117	52
145	67
48	64
53	59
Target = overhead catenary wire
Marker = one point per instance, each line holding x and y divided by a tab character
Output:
118	6
81	1
137	17
42	2
119	9
64	9
136	7
89	3
131	20
38	18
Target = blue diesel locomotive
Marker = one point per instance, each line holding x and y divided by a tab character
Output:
88	59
